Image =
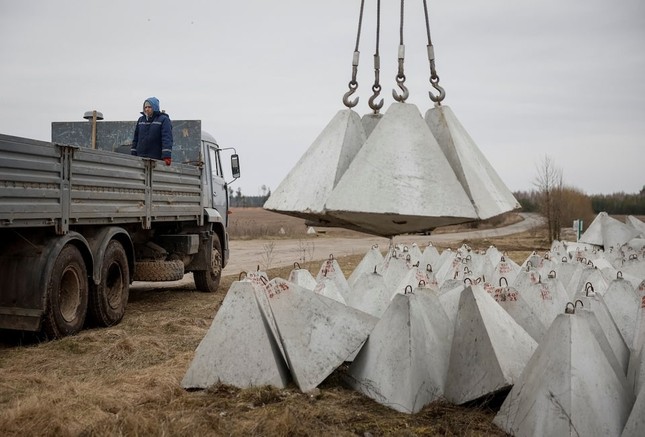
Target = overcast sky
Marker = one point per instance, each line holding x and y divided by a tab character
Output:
527	79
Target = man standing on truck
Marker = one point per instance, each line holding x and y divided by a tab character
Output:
153	133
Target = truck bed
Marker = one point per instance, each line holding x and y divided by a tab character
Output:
47	185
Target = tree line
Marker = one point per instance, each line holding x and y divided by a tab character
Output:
561	204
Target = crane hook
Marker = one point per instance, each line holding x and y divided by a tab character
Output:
352	89
375	106
434	80
400	79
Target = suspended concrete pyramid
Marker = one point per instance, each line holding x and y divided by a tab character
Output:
484	187
400	181
305	190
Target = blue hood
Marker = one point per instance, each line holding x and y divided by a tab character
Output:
154	102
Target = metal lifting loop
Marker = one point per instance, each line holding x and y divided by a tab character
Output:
353	85
400	77
376	88
434	78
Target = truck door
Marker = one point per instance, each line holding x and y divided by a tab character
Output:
218	184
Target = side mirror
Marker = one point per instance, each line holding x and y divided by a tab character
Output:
235	165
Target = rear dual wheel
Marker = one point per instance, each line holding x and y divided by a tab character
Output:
67	294
107	303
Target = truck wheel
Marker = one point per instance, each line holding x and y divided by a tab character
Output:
107	304
158	270
208	281
67	294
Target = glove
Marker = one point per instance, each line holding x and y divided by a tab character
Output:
167	161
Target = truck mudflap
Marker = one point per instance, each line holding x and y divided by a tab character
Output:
25	268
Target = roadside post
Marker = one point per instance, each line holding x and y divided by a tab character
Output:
577	227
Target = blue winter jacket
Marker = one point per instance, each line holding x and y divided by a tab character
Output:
153	138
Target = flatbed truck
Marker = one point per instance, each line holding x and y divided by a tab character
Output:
81	219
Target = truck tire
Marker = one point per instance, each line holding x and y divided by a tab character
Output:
107	303
67	295
208	280
158	270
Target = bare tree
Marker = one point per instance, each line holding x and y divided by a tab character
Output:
549	185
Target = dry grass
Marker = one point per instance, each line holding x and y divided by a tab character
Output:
125	380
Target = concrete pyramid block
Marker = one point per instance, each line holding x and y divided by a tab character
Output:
634	266
394	268
637	224
302	277
447	255
636	370
548	298
639	333
636	421
404	362
414	252
608	232
481	182
595	303
430	257
513	302
569	273
449	294
590	277
387	192
370	294
369	263
260	282
239	348
495	255
417	277
489	349
327	287
307	186
505	268
599	334
567	388
450	267
593	234
623	303
330	271
316	332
